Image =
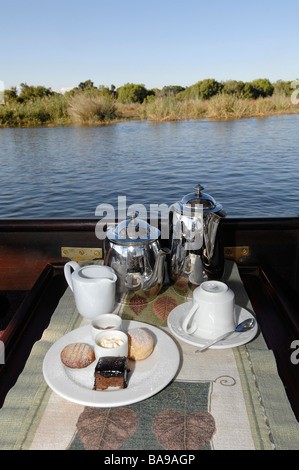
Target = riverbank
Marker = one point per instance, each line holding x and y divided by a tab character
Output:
60	110
220	107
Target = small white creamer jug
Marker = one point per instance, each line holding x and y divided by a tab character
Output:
93	287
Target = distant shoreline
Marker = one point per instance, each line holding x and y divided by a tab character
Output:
93	110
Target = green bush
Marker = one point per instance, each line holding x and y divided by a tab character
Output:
6	116
233	87
33	92
262	87
208	88
283	88
203	90
10	95
131	93
258	88
40	111
190	93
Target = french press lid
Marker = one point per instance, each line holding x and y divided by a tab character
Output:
132	231
208	203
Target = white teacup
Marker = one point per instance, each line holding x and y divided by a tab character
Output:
213	311
111	343
93	287
105	322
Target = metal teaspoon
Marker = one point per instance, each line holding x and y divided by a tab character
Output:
243	326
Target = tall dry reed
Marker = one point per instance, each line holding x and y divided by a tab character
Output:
227	106
88	109
165	108
219	107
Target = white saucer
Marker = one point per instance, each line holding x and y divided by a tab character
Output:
178	314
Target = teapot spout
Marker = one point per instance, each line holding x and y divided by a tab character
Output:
157	276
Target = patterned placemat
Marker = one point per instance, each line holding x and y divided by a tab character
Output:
174	419
221	399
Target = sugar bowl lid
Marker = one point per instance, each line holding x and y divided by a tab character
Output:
134	230
198	197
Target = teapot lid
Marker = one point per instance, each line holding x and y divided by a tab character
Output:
198	197
133	230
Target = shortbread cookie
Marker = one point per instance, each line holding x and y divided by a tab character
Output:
77	355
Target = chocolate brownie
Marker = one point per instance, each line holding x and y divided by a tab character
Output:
111	371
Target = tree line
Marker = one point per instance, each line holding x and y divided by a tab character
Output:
138	93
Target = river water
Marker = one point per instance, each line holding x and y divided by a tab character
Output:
251	166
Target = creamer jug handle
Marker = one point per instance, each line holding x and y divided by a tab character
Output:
67	272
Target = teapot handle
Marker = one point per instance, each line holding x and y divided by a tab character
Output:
67	272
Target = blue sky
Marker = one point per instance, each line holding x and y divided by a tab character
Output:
58	44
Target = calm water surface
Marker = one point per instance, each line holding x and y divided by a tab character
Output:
251	166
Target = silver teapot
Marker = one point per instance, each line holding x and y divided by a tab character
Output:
133	250
196	244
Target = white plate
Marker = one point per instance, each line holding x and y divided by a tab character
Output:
177	315
145	379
